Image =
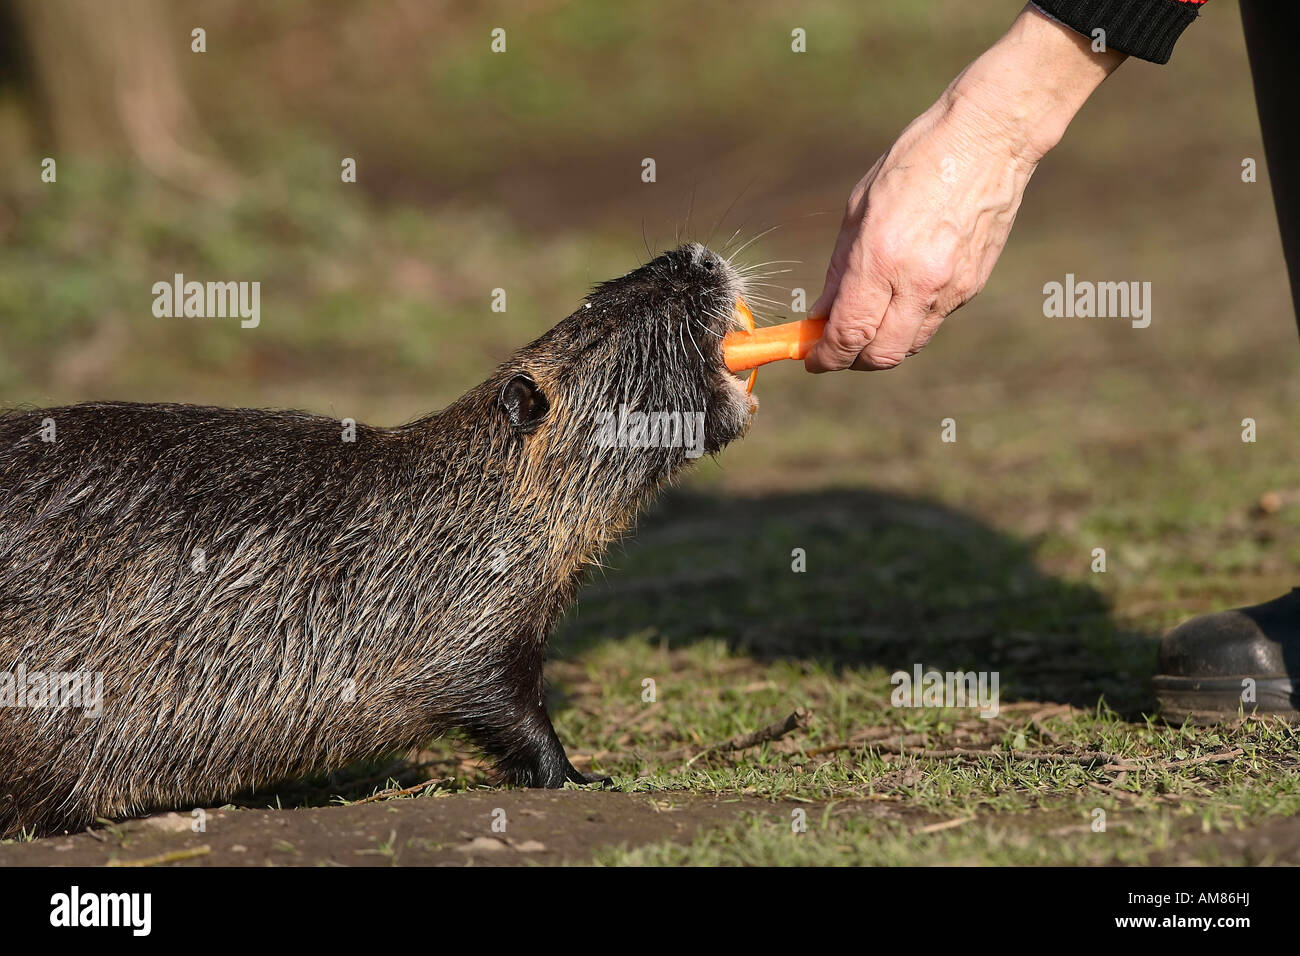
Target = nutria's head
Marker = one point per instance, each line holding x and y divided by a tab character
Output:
590	419
633	383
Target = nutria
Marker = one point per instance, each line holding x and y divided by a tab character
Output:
266	599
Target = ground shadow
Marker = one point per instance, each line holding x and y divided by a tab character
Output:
888	581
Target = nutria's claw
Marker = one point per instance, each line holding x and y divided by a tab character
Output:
594	779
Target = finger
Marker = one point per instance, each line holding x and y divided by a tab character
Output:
850	226
893	339
821	308
855	315
937	314
925	333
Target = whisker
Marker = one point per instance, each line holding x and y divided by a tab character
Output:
705	327
693	342
726	213
755	239
765	275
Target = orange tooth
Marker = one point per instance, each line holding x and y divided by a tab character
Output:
748	317
743	308
791	340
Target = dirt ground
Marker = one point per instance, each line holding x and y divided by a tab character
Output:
455	830
541	827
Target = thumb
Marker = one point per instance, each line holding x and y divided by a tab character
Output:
835	270
821	307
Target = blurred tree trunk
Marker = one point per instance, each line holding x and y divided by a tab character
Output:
104	77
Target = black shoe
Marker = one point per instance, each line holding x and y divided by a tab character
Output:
1205	662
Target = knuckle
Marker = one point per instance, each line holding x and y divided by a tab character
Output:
931	272
922	340
891	248
885	358
965	289
845	337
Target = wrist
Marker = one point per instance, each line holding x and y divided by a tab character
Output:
1023	92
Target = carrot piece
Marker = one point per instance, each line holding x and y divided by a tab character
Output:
791	340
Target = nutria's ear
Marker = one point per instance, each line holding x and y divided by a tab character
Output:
523	402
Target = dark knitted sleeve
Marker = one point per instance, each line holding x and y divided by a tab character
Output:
1146	29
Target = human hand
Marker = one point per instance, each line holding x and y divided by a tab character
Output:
923	229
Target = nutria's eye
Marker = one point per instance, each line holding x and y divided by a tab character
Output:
523	402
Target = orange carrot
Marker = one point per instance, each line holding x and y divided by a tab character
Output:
791	340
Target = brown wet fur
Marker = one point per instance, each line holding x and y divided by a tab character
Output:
264	599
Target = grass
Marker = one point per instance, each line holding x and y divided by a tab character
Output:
880	799
738	644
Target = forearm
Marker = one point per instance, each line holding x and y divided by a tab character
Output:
1028	86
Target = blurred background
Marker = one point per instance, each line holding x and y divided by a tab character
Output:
522	170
